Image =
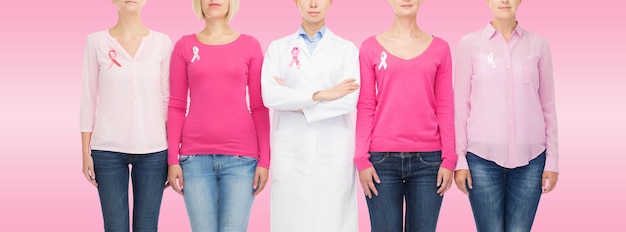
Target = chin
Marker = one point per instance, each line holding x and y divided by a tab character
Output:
315	20
407	14
132	10
507	17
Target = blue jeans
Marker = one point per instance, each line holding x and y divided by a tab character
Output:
148	175
406	177
218	191
504	199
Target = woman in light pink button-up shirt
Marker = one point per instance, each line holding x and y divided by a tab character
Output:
505	119
122	118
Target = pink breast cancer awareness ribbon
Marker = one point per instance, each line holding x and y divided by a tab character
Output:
295	52
491	60
112	56
195	54
383	61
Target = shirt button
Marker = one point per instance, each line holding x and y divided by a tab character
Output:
511	139
508	66
510	121
510	103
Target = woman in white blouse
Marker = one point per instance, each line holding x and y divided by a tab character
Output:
122	118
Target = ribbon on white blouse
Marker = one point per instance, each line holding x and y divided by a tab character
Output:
195	54
295	52
491	60
112	56
383	61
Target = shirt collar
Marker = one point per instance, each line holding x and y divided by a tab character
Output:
318	34
489	32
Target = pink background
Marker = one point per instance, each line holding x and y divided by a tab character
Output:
42	188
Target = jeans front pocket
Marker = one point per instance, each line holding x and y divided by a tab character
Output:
184	159
377	157
430	158
246	158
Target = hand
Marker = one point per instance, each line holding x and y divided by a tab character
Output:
260	179
281	83
444	180
460	177
175	178
367	178
342	89
88	170
552	178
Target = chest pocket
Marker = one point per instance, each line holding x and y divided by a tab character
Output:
528	70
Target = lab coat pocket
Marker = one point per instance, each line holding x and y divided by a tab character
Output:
284	159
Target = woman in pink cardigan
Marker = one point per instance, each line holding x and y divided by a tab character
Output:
405	124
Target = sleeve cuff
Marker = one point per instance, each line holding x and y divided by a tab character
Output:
449	164
362	163
461	163
172	158
263	164
552	165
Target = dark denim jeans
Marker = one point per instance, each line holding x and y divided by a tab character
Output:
406	177
148	175
504	199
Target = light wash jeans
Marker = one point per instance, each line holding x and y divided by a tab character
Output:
218	191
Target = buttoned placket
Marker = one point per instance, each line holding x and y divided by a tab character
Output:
510	99
134	79
133	68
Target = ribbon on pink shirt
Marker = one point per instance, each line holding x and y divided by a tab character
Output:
196	56
491	60
112	56
383	61
295	52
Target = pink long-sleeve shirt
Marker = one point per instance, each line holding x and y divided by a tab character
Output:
504	97
219	80
124	99
405	105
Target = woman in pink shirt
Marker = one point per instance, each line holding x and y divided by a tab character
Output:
505	121
122	118
405	124
218	147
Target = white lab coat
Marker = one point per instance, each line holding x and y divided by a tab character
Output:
313	175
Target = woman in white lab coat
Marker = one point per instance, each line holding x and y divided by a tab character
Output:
310	79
